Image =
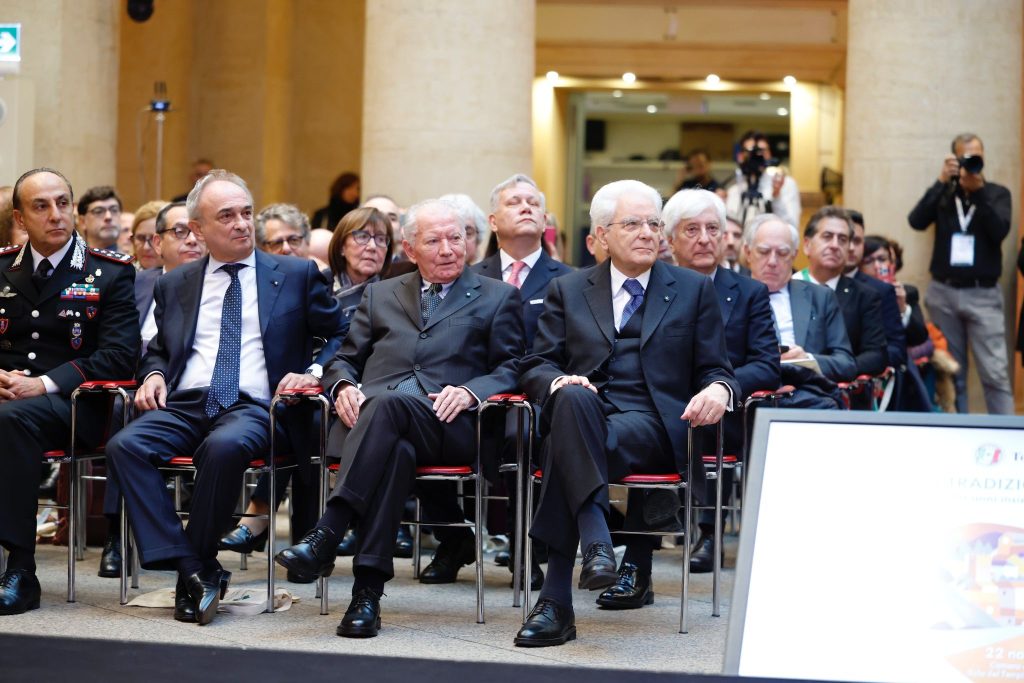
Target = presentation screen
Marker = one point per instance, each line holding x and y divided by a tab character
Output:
881	547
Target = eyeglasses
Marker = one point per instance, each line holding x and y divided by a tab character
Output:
294	241
142	240
361	237
693	231
179	230
877	258
634	224
101	211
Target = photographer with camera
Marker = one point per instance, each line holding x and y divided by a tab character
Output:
971	217
762	185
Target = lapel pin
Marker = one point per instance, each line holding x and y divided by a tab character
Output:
728	299
666	298
274	282
89	279
468	294
99	272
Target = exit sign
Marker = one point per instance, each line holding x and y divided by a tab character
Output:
10	42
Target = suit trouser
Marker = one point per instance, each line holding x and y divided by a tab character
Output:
587	444
394	434
222	448
975	315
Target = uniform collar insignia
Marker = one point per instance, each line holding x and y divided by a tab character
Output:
78	257
21	255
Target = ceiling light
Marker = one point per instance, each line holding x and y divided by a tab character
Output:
713	79
616	93
789	80
651	109
782	111
552	76
629	77
764	96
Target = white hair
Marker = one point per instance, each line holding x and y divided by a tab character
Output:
471	213
686	204
410	221
750	231
192	201
606	199
512	182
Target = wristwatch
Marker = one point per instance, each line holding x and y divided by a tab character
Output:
316	370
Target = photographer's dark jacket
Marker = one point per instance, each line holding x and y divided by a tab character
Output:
990	225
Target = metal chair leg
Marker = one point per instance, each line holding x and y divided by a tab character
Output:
717	545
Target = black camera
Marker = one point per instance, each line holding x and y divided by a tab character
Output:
755	163
972	163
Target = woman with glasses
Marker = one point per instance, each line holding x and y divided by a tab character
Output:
143	229
359	253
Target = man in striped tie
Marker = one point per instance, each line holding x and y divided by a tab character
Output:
625	353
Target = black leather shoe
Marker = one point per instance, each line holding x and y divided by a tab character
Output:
347	547
110	560
299	578
631	591
313	556
598	567
548	624
403	543
19	591
448	559
503	558
184	608
241	540
204	590
702	560
362	618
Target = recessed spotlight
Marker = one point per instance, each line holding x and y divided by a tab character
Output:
782	111
552	76
651	109
789	80
616	93
629	77
764	96
713	79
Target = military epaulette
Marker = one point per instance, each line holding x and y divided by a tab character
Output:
115	256
4	251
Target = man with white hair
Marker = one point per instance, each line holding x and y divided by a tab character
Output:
808	320
695	225
477	229
625	353
421	353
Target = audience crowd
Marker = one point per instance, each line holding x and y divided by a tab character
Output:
407	319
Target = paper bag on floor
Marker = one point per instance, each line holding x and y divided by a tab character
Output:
241	600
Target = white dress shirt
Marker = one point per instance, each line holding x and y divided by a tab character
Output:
782	311
149	324
507	261
198	371
805	275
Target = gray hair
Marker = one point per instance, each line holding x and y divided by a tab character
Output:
470	213
963	139
512	182
192	201
410	221
602	206
686	204
286	213
750	231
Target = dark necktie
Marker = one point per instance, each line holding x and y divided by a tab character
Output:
429	301
224	382
636	291
43	272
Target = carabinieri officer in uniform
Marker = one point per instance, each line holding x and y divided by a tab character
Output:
67	316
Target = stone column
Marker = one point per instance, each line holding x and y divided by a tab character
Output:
919	72
70	53
446	104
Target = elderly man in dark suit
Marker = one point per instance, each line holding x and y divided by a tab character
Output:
626	352
695	223
231	329
808	321
423	350
66	317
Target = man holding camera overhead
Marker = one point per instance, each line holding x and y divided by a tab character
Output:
971	217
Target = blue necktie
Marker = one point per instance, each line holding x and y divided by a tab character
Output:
429	301
636	291
224	382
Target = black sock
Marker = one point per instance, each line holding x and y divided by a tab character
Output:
337	516
558	582
593	524
640	552
368	577
187	566
21	559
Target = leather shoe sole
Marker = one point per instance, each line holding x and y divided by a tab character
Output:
609	600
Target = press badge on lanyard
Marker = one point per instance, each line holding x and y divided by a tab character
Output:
961	249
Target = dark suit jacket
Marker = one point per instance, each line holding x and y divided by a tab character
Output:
862	313
892	322
682	340
532	291
145	282
83	319
749	331
474	338
295	305
819	329
917	329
